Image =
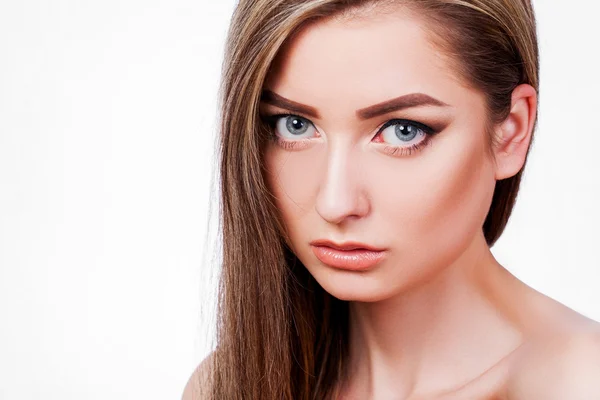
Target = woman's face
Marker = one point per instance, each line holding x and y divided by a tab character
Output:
411	176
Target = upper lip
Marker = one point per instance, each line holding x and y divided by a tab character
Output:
345	245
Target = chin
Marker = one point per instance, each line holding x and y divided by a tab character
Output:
345	285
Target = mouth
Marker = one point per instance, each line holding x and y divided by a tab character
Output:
345	245
349	256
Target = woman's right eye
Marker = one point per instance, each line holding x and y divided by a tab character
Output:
292	127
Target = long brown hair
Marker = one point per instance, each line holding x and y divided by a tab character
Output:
279	334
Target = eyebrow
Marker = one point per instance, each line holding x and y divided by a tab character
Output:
399	103
274	99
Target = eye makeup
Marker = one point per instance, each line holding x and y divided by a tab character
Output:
404	129
272	122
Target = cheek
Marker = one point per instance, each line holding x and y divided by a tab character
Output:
293	178
436	208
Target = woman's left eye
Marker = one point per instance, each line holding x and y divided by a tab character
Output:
404	133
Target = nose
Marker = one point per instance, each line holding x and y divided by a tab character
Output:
341	195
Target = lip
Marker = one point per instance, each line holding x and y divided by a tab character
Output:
351	256
345	245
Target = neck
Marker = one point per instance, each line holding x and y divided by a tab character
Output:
440	334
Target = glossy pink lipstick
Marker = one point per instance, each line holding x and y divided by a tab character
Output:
352	256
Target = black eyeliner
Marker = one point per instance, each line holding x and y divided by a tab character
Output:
272	119
398	121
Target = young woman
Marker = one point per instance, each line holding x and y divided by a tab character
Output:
371	154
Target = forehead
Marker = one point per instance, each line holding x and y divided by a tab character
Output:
362	60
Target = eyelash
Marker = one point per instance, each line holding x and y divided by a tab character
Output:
271	121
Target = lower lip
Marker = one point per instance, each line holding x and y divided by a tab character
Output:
354	260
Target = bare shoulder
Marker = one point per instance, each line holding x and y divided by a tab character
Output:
198	380
559	367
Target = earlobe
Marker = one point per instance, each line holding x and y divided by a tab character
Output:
515	132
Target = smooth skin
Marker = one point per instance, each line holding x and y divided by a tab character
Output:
439	318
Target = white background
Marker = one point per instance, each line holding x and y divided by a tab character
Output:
107	125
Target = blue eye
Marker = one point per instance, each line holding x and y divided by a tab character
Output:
399	132
294	132
293	126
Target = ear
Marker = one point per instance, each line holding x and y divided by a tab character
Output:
515	132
